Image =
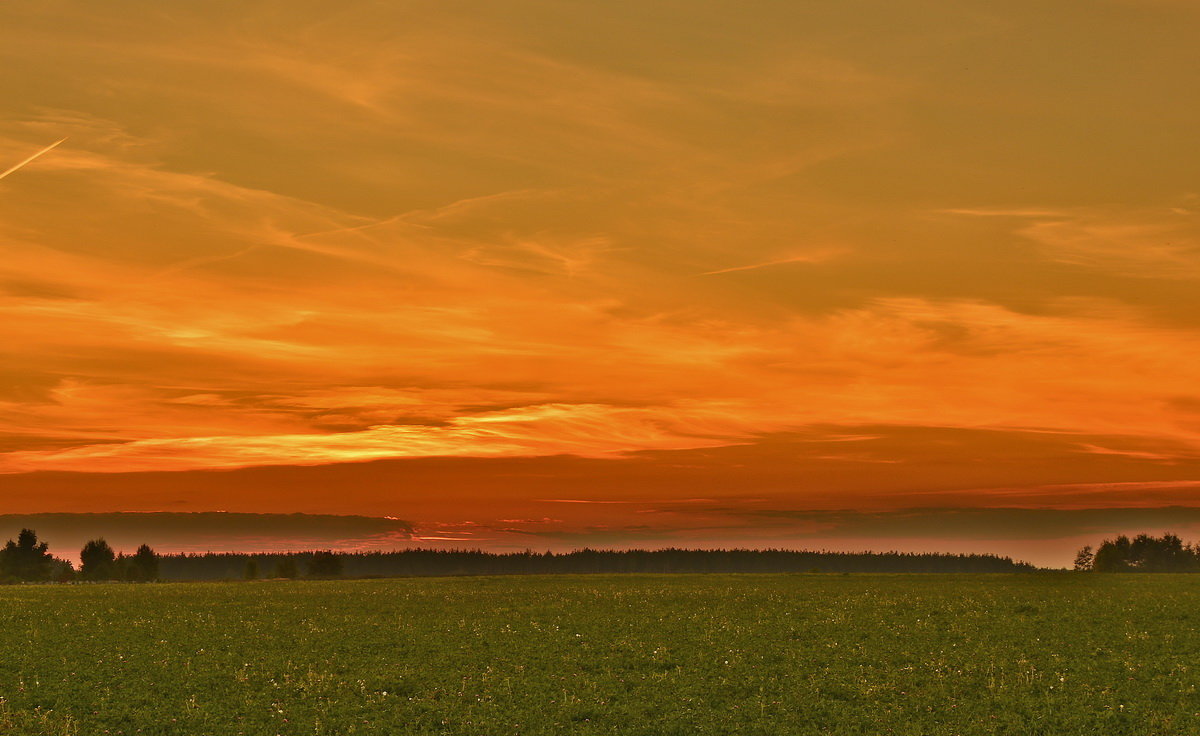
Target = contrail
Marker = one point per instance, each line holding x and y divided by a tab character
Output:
31	158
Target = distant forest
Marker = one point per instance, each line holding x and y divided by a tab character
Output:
27	559
418	562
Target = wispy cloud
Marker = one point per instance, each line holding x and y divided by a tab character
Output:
1139	242
585	430
818	256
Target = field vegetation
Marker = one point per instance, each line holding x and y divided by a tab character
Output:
1043	653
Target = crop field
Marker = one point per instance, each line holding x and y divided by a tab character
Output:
638	654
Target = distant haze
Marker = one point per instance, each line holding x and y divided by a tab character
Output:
203	532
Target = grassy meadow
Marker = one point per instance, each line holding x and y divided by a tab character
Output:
634	654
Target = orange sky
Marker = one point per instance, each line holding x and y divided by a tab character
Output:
460	262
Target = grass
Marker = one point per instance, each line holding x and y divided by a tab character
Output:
721	654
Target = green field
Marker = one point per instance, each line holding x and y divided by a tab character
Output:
753	654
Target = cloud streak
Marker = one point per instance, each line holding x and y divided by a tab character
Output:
815	257
31	159
584	430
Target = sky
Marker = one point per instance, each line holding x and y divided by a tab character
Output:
549	274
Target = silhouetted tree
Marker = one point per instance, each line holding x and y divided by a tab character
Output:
1160	554
251	570
120	568
26	558
62	571
1083	560
1145	553
97	561
143	566
324	564
1112	555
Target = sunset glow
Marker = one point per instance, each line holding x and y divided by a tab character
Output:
710	271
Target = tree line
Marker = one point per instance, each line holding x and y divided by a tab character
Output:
28	560
1143	553
429	562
